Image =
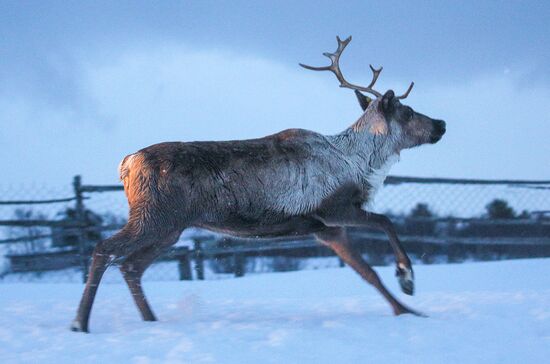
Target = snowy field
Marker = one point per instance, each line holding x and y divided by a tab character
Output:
496	312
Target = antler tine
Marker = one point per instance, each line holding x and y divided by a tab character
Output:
404	96
335	68
375	74
326	68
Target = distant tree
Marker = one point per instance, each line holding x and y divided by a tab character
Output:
419	221
34	244
421	210
524	215
67	236
499	209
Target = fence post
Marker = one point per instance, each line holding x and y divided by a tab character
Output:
80	219
184	265
239	260
199	259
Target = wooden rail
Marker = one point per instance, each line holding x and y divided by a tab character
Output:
37	202
392	180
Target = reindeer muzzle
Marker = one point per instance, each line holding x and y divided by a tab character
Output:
438	130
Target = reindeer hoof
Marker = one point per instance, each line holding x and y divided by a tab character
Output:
405	276
76	326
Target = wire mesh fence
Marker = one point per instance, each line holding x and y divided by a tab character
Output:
461	198
47	234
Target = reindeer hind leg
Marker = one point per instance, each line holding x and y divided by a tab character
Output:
124	243
104	253
135	265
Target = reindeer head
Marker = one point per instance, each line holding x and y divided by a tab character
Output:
386	115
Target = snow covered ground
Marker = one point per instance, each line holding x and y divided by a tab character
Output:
496	312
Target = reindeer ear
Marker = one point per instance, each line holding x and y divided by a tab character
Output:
364	101
387	101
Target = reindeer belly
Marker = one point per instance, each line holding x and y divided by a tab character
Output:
265	227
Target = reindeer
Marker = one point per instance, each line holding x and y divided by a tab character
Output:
296	182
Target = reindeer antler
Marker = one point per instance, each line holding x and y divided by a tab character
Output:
335	68
404	96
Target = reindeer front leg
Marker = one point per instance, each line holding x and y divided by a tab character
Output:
404	270
355	216
336	239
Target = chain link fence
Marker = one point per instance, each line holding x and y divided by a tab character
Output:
47	233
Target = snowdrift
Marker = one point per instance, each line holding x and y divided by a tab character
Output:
495	312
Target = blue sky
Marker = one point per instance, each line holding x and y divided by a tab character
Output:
82	85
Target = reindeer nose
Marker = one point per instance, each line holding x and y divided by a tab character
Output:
439	128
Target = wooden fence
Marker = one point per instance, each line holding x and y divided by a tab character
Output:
521	238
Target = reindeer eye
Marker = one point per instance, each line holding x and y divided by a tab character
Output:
408	114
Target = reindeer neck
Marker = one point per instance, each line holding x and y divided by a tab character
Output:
368	149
